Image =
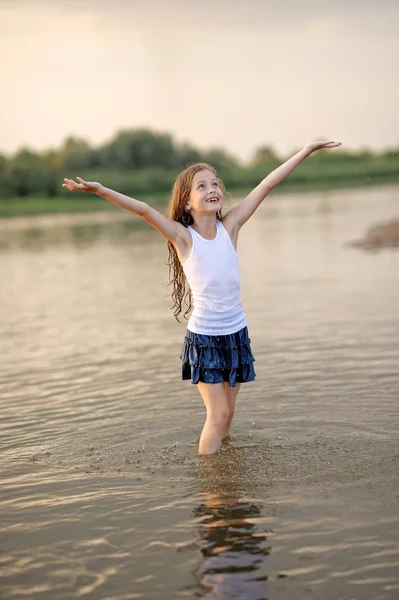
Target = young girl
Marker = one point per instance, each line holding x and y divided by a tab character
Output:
202	245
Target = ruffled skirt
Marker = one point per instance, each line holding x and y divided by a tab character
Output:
218	358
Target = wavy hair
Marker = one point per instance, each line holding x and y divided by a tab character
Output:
181	293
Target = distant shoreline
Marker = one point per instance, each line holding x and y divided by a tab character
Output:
32	206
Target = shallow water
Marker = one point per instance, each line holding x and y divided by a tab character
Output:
103	494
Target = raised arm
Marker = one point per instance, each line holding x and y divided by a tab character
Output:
238	215
172	230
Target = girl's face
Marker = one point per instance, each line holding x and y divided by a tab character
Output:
206	195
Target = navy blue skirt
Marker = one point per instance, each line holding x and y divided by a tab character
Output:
218	358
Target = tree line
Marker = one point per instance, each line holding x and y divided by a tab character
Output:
146	161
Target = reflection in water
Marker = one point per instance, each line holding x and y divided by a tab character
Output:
39	235
231	544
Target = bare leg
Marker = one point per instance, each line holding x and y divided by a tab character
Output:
231	394
217	416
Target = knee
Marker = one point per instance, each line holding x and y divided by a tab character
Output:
219	418
231	412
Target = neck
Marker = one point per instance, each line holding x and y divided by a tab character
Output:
205	225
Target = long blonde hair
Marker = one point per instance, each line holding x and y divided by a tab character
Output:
179	197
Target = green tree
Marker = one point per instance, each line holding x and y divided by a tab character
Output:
139	148
187	154
75	154
221	160
263	156
26	173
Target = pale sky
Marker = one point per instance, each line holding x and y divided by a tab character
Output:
214	73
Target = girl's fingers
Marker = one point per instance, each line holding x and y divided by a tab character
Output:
73	186
83	183
70	184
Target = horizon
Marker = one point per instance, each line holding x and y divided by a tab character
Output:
41	151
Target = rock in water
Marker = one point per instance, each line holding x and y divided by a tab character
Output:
385	235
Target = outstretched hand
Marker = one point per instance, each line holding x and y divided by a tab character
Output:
82	186
318	145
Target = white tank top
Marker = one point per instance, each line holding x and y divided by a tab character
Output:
213	275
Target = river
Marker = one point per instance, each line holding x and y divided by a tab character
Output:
103	494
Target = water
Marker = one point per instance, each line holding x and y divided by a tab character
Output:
103	494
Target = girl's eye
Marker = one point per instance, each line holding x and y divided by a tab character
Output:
216	183
200	185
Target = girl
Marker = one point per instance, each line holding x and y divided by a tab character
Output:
202	245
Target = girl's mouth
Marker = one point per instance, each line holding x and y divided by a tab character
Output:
212	200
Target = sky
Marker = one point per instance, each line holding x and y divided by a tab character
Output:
215	73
